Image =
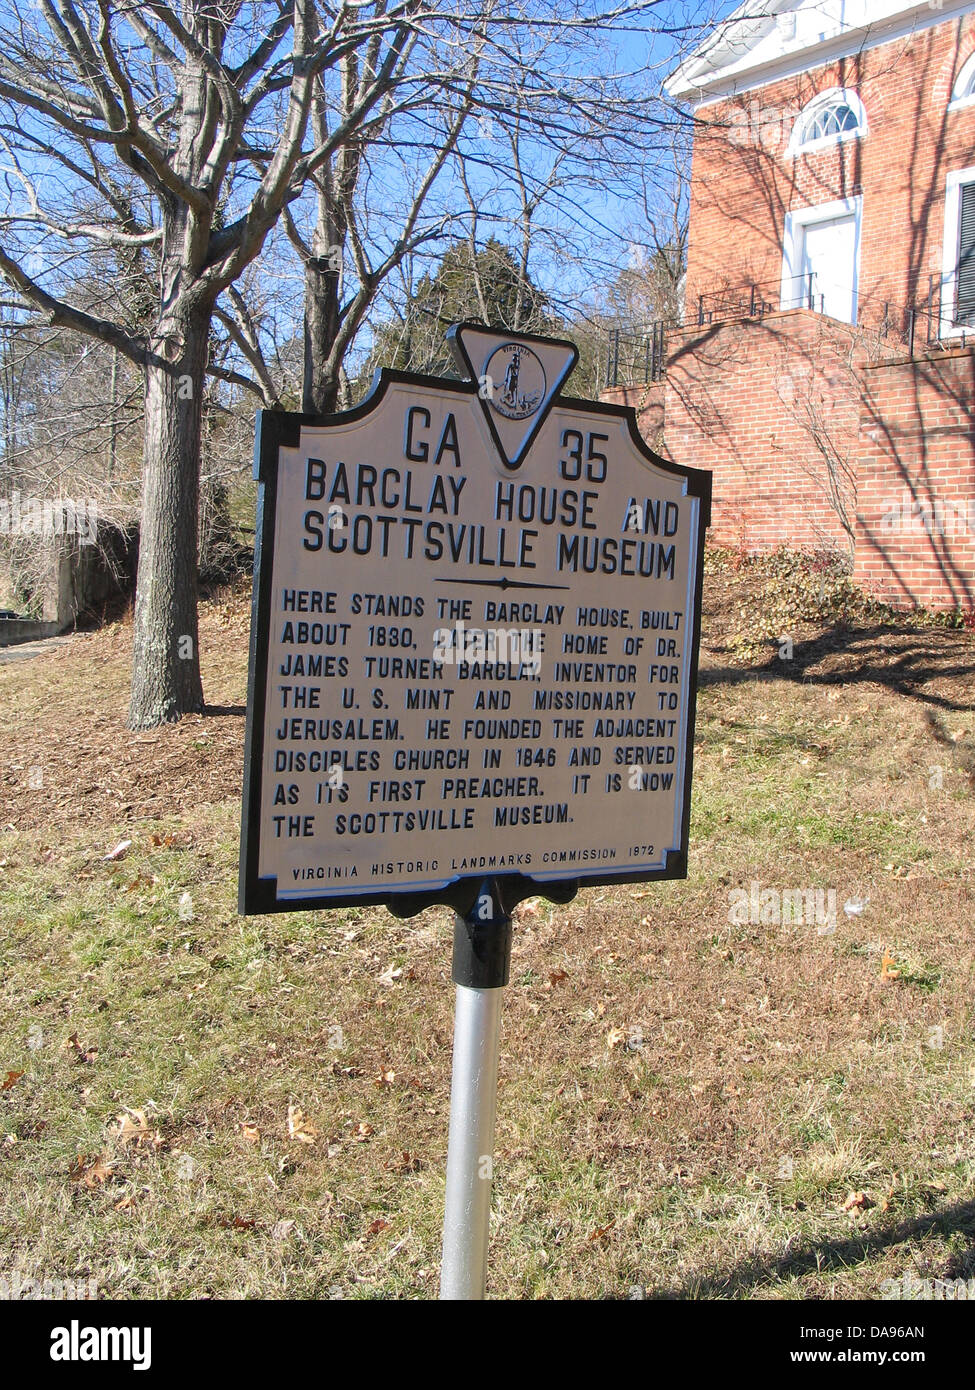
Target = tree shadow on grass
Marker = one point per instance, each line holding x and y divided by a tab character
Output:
829	1256
903	660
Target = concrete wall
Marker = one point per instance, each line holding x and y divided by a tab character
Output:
76	581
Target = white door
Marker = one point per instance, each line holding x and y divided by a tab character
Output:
829	257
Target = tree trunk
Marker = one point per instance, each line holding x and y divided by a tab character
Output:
320	387
166	680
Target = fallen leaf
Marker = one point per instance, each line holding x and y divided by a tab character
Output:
555	977
886	1199
84	1055
404	1163
299	1128
12	1078
378	1225
531	907
886	973
363	1132
282	1229
601	1232
614	1037
141	880
126	1202
251	1133
90	1169
857	1201
336	1070
134	1129
385	1078
132	1125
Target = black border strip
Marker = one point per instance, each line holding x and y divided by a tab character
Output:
282	429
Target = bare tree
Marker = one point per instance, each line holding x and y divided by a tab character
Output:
153	116
341	230
501	149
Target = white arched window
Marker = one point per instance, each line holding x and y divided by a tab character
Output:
829	119
963	92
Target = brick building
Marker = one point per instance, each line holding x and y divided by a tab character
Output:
825	369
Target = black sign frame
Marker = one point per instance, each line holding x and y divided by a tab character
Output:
256	896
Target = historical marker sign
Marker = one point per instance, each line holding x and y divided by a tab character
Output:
474	641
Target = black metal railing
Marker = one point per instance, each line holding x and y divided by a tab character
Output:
927	323
736	302
637	357
754	301
640	355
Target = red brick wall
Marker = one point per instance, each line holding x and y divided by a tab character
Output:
761	404
765	404
648	402
743	182
916	482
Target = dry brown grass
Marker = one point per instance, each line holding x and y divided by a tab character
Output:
687	1102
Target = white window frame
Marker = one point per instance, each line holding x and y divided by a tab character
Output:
959	99
956	181
850	98
795	226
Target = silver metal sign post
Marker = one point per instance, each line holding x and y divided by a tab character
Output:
470	1150
482	953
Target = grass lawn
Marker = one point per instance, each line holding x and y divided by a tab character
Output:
695	1102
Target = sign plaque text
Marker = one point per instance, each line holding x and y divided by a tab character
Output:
474	641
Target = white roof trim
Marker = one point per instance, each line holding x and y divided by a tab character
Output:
752	46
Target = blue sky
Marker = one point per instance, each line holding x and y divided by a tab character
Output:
599	224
